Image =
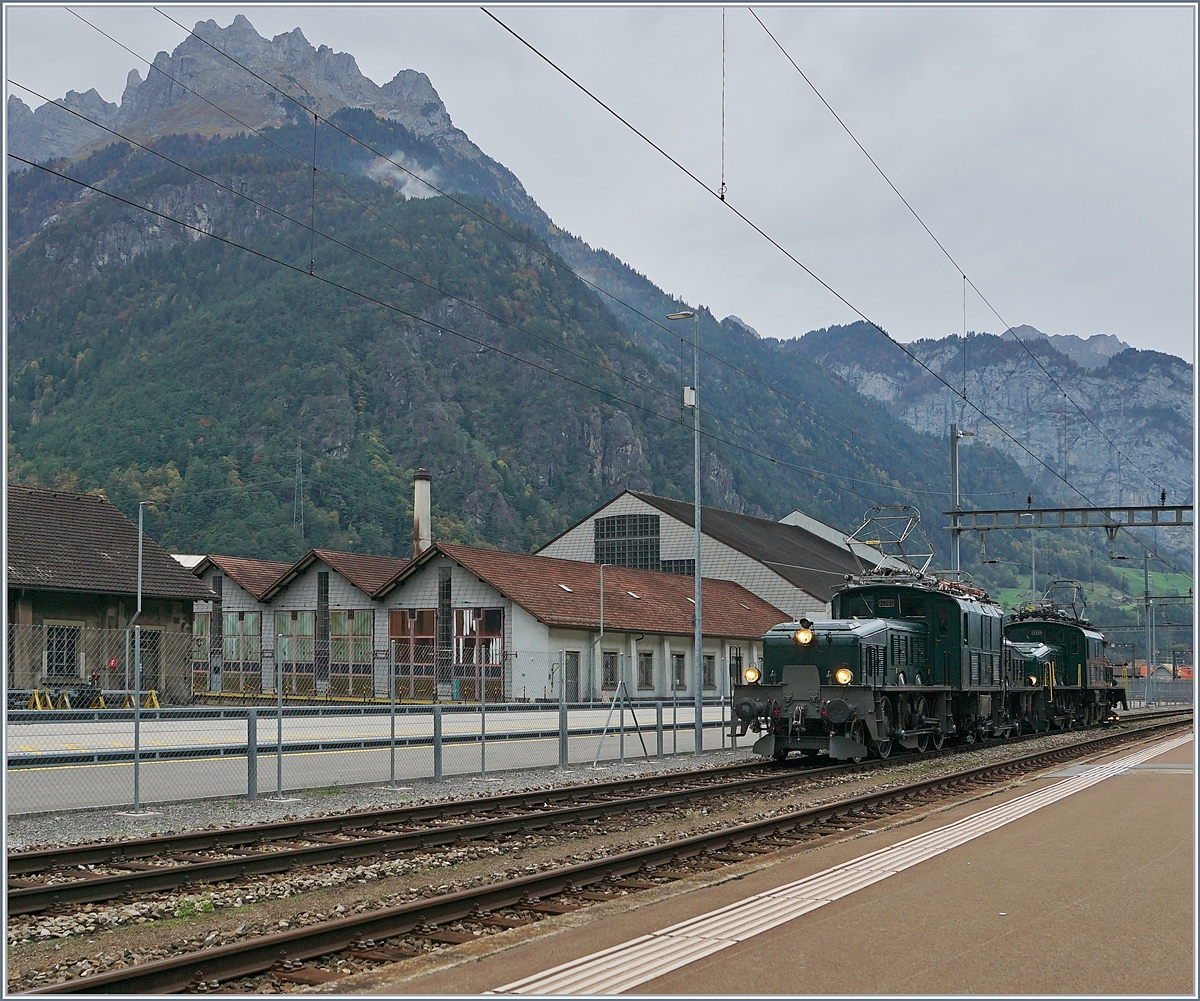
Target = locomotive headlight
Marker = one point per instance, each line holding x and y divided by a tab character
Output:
750	675
803	636
1032	680
843	675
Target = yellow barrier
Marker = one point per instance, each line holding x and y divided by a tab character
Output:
40	700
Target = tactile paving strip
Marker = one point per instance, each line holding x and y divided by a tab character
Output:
643	959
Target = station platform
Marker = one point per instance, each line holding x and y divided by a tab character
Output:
1090	894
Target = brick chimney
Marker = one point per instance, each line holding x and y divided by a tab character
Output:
422	525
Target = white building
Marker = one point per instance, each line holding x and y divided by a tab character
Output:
794	564
456	617
532	623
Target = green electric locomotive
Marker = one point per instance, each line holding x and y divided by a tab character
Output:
1066	655
910	660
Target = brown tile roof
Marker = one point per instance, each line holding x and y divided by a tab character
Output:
566	593
64	541
255	576
367	573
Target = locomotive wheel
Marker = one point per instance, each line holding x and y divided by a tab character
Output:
923	742
782	754
883	749
937	740
969	737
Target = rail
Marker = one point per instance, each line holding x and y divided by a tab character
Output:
212	966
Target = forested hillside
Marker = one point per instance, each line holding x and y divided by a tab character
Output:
149	360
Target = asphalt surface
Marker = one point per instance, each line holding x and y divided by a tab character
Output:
1092	894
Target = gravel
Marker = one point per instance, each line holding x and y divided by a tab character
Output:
43	830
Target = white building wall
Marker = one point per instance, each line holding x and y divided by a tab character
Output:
677	542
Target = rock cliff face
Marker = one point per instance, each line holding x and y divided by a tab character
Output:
1141	400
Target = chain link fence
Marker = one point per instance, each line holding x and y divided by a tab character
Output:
68	666
73	744
1159	692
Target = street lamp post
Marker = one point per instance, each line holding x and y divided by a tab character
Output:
691	399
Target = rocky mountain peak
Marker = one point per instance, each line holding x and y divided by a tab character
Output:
318	79
1086	352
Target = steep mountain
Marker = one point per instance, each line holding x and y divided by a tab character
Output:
1141	400
149	361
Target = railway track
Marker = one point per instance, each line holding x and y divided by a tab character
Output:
364	938
106	871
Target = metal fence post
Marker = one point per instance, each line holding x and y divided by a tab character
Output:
482	722
437	743
722	722
279	719
658	726
562	735
392	693
252	753
137	719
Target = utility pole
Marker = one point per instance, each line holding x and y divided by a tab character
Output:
955	533
1149	628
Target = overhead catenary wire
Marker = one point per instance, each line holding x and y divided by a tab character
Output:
155	68
771	458
800	264
605	369
758	229
722	189
514	236
450	330
493	223
1007	326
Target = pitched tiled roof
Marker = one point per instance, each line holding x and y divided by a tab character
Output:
367	573
255	576
64	541
813	564
566	593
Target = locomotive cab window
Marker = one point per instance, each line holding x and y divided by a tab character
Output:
857	607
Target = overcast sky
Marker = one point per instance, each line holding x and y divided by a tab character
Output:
1050	149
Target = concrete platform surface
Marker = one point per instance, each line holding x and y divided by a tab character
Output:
1092	894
